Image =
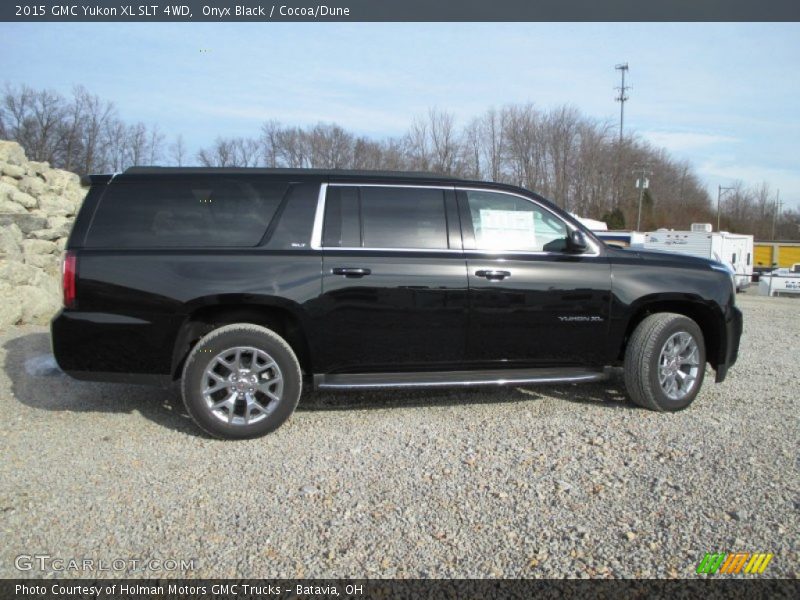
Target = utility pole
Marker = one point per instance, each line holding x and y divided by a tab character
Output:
721	189
622	98
643	183
778	206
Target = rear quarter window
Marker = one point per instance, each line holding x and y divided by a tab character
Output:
191	212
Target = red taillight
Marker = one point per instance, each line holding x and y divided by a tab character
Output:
68	280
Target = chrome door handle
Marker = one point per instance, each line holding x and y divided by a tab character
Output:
351	271
493	275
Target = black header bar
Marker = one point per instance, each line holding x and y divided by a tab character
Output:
709	588
398	10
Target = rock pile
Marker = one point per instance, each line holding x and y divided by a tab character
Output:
37	208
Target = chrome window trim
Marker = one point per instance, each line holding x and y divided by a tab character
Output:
497	253
316	232
372	249
394	185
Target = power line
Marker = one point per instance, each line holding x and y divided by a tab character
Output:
622	98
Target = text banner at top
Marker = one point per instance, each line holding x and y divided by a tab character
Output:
400	10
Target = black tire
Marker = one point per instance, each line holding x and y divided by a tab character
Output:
194	379
642	358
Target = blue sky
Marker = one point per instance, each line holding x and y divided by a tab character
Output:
724	96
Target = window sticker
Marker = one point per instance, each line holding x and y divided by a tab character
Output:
506	229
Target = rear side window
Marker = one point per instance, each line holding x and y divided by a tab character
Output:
186	212
292	231
385	217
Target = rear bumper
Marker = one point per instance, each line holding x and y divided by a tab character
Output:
730	351
96	346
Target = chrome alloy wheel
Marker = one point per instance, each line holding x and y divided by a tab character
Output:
679	365
242	385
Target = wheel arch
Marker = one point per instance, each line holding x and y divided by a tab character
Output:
708	317
204	315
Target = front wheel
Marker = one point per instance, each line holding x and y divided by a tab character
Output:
241	381
665	362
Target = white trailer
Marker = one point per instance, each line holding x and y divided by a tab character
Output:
780	282
623	239
732	249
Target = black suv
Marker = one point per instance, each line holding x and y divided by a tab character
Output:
237	282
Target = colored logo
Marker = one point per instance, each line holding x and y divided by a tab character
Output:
735	563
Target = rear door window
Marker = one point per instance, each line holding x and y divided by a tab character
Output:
185	212
385	217
342	218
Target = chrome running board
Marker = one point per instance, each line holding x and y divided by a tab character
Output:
456	378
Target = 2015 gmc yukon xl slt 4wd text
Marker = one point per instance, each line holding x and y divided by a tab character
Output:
238	282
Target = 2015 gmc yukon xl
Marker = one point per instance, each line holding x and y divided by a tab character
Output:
237	282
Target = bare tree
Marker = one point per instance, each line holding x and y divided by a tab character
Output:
99	117
292	148
417	146
155	141
114	135
527	158
71	130
136	144
15	113
269	143
177	151
444	142
221	154
34	118
331	147
246	152
561	136
490	131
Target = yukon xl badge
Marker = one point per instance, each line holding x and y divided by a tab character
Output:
581	319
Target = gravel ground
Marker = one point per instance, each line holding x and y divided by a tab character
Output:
509	482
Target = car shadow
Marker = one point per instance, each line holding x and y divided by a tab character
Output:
38	383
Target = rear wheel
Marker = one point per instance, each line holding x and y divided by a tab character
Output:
241	381
665	362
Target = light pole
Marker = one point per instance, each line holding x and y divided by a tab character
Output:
721	189
643	183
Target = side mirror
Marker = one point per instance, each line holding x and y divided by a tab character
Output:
576	241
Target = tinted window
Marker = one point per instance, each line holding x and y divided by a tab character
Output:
384	217
505	222
403	218
294	224
342	227
185	212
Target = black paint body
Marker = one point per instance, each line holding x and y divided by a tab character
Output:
137	309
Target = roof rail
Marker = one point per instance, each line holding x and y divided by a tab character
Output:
154	170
